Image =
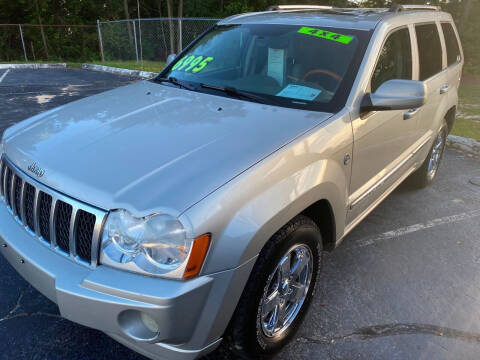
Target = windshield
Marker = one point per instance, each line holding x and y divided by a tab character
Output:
287	65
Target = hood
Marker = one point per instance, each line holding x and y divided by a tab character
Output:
149	147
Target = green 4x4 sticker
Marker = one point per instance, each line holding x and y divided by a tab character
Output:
192	63
344	39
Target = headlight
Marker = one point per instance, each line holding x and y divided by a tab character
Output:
156	245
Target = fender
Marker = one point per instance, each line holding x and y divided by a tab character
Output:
244	214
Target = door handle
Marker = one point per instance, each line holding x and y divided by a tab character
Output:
444	89
410	113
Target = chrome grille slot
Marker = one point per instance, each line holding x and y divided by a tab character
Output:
63	215
17	194
28	203
2	178
83	234
67	226
44	215
8	186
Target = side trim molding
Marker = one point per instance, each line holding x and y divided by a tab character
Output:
388	175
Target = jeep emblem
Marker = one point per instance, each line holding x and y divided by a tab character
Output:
37	170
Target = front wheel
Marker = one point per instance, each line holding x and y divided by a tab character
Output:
278	292
426	173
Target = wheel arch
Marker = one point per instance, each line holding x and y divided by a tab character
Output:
450	117
321	213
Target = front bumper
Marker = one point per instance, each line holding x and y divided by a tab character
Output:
191	315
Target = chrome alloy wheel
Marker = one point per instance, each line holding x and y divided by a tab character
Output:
286	290
436	154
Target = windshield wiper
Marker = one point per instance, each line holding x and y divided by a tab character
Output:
237	93
174	81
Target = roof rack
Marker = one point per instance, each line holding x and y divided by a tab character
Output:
398	7
297	7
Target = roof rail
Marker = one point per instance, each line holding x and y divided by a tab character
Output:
398	7
297	7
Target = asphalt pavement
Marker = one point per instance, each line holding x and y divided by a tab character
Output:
405	284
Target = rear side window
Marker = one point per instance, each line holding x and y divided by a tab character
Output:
395	61
429	50
453	50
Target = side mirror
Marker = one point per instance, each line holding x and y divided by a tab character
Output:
170	58
395	95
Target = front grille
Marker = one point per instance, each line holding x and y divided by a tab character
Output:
32	204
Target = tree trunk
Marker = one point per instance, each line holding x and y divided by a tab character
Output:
466	13
180	8
129	25
170	25
42	32
159	4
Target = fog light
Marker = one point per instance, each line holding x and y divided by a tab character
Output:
139	325
150	323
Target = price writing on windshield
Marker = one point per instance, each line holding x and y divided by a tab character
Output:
192	63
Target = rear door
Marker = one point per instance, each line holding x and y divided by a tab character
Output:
432	71
454	60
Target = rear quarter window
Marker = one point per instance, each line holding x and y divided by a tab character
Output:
451	42
429	50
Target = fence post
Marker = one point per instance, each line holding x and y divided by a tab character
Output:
23	42
100	40
140	38
135	40
180	40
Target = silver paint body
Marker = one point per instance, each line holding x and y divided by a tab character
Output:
240	174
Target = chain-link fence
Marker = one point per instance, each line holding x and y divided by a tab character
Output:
123	40
149	39
48	42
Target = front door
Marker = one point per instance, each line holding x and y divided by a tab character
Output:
382	138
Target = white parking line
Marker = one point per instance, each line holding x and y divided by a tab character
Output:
4	74
414	228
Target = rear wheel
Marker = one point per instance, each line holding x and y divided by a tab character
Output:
425	175
278	292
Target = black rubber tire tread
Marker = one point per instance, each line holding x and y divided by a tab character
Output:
241	339
419	178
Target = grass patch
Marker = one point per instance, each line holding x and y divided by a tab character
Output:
469	106
469	94
466	128
153	66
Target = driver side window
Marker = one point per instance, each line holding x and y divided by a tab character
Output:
395	61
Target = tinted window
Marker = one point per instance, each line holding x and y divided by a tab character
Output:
453	50
429	49
395	61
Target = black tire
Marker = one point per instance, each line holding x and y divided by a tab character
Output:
423	177
244	336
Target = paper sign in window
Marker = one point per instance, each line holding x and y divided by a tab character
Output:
276	64
299	92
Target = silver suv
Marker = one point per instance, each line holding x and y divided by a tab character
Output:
177	212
